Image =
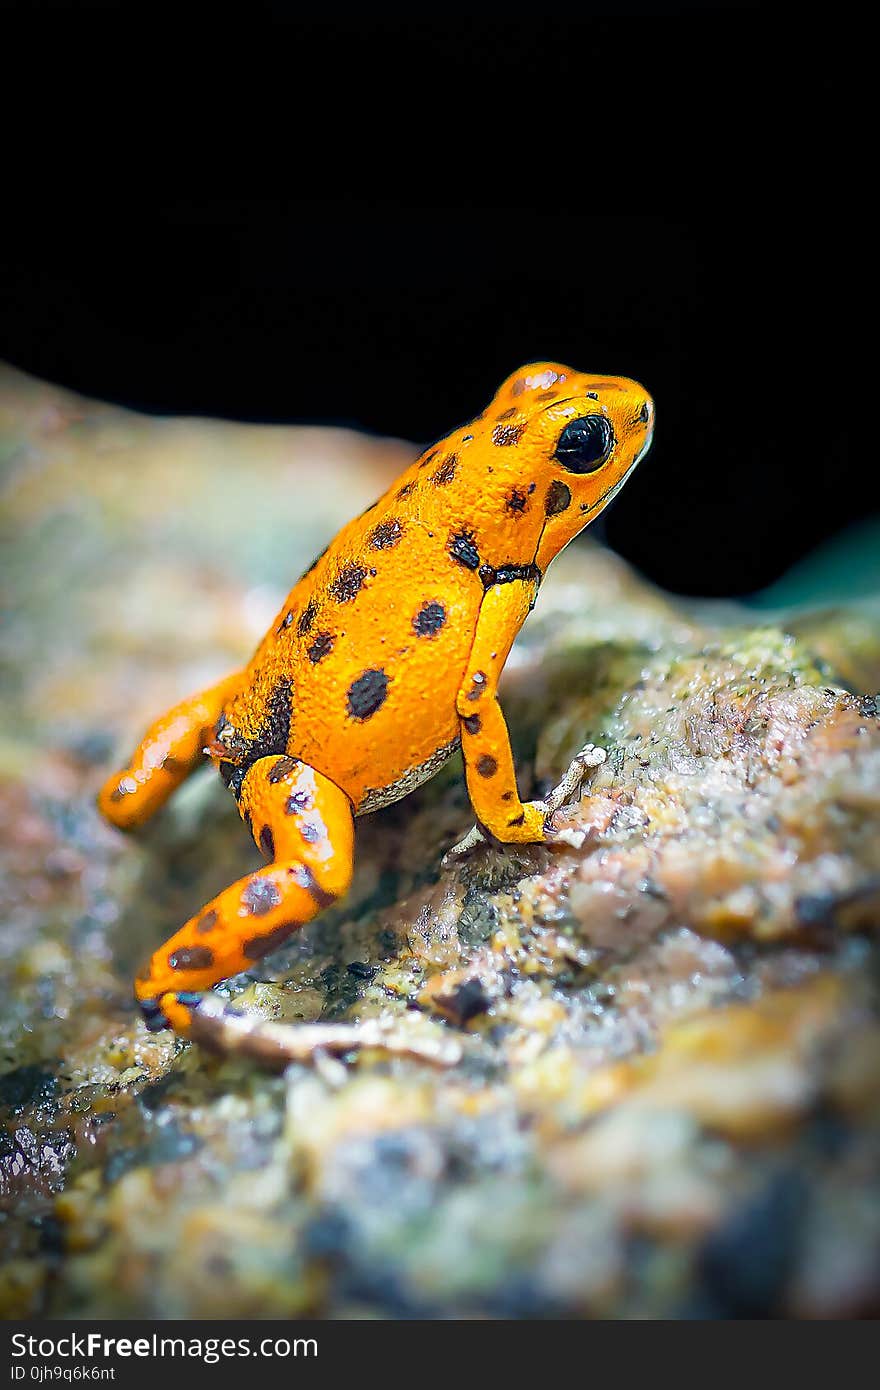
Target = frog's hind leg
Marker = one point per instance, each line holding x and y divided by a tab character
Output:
171	749
304	824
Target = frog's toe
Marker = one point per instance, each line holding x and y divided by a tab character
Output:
170	1010
153	1015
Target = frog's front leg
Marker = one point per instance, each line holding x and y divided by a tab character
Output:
171	749
488	759
303	823
485	742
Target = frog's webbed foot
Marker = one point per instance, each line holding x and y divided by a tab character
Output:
565	792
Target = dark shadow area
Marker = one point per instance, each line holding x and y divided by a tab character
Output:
401	316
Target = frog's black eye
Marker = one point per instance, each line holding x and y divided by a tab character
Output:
585	444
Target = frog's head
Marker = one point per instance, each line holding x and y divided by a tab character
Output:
577	436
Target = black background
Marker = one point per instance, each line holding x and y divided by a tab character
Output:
427	205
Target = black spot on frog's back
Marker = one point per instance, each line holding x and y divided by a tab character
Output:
273	737
429	619
463	549
367	694
322	646
387	534
348	582
444	475
307	617
274	734
516	501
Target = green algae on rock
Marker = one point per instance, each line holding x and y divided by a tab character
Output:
668	1096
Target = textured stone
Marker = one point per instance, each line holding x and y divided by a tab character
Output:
669	1097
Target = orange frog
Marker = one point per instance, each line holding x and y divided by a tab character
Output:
384	659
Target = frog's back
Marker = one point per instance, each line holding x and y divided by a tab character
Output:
359	673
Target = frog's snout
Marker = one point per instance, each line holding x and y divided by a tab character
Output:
646	423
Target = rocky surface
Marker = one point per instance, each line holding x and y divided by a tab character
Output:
668	1099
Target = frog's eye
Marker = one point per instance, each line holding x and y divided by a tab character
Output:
585	444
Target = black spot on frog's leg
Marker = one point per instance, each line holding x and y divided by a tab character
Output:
297	802
505	435
285	621
405	491
267	842
473	723
307	617
259	897
306	879
260	946
463	549
592	395
429	458
558	499
478	685
446	472
506	414
429	619
282	769
206	923
348	583
321	647
487	766
386	534
516	501
191	958
367	694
